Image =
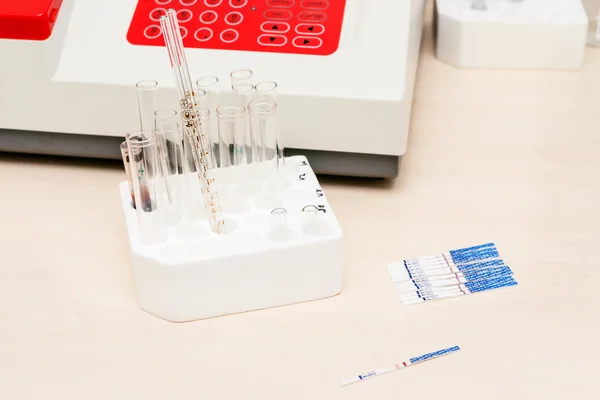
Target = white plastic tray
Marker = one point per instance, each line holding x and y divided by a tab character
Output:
251	267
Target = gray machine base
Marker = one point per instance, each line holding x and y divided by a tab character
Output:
107	147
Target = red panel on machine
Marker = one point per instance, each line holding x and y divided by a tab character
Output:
28	19
281	26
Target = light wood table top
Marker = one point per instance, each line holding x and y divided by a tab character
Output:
509	157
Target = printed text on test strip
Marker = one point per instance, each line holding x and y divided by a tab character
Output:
403	364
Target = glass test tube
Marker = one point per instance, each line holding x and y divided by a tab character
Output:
147	92
150	198
265	126
268	90
126	164
170	143
280	230
172	163
208	96
244	94
231	117
241	76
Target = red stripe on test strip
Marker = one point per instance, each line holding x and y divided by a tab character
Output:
455	274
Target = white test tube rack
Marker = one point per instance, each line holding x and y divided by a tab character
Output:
251	267
511	34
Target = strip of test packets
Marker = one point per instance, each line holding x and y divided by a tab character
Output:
449	274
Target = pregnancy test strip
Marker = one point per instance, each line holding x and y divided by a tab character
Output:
450	280
401	271
449	254
403	364
431	294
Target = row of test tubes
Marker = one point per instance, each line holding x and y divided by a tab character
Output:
245	149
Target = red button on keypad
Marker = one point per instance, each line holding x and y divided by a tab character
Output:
233	18
152	32
229	35
274	27
238	3
208	17
157	13
312	16
203	34
184	15
272	40
281	3
281	15
314	4
310	29
307	42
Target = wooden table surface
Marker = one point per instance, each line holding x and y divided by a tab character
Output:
503	156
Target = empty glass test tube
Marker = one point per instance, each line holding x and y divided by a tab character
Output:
173	164
264	126
231	118
148	186
127	166
243	75
243	93
147	92
268	90
280	230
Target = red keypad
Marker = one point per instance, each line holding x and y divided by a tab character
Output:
283	26
314	4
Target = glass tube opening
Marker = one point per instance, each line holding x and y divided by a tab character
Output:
240	75
278	219
165	114
262	108
146	85
242	87
207	81
266	86
231	134
231	111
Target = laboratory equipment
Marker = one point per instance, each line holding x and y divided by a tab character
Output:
267	259
232	138
127	167
201	153
400	365
243	75
148	187
592	10
449	274
264	128
147	103
75	53
266	90
511	34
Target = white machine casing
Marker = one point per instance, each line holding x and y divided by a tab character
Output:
528	34
81	82
248	269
